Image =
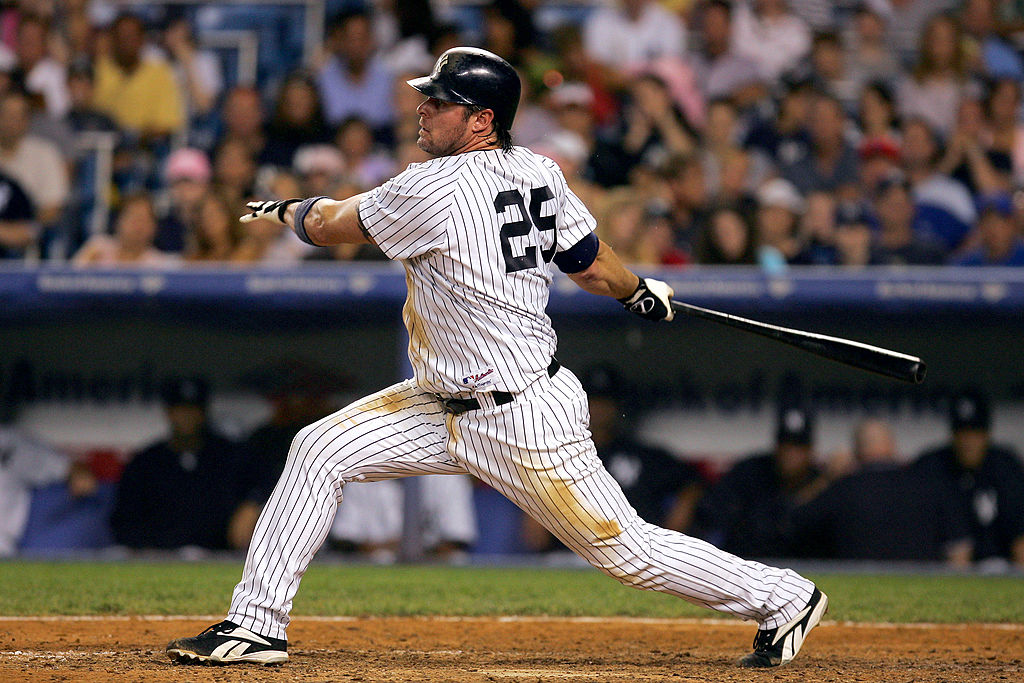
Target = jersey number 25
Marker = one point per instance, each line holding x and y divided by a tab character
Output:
523	227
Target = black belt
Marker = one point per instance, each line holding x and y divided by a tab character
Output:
458	406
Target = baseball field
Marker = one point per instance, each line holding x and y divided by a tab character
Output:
77	621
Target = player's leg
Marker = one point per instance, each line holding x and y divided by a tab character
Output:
536	451
397	432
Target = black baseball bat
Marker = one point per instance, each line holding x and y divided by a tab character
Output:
883	361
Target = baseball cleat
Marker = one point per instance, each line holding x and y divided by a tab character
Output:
776	646
228	643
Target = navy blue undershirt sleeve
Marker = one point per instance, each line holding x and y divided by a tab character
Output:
579	256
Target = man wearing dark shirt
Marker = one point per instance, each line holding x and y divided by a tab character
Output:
987	481
181	491
17	227
882	510
745	513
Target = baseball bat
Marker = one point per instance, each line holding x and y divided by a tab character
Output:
872	358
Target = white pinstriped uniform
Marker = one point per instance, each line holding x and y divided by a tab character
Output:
475	313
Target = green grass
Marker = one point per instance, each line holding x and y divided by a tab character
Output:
36	588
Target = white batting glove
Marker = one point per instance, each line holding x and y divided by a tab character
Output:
270	210
652	299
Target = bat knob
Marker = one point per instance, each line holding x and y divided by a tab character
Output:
917	371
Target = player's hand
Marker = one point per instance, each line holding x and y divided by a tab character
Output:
270	210
652	299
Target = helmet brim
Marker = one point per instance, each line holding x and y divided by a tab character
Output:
432	88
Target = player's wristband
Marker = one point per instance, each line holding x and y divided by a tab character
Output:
300	218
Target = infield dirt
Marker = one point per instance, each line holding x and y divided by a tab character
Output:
513	650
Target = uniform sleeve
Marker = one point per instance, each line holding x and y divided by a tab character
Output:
574	220
408	215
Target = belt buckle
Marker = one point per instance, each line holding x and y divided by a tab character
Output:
452	406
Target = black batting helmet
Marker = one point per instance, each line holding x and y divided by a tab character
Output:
469	75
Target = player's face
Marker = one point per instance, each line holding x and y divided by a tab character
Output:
444	127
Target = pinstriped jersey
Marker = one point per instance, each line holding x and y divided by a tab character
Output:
476	233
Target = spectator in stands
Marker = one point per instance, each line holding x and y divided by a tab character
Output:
897	242
132	242
36	164
817	231
367	165
509	32
187	174
1001	245
831	163
932	91
849	521
780	208
179	492
1006	131
299	393
907	22
721	71
234	173
944	211
355	81
19	231
82	115
661	487
370	522
869	56
242	119
576	65
854	239
297	120
137	88
767	32
985	479
719	148
42	75
876	113
652	128
629	34
988	53
198	72
689	201
747	510
727	240
215	233
783	135
320	169
969	158
831	72
27	463
879	158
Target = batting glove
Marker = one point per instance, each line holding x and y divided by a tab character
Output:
270	210
652	299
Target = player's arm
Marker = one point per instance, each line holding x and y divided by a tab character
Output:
606	275
320	221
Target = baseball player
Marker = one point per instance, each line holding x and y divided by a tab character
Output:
479	229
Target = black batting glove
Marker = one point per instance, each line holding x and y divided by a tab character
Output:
271	210
652	299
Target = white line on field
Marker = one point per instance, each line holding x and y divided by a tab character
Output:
652	621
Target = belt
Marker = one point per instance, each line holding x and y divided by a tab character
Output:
458	406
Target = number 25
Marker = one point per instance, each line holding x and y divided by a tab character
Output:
520	228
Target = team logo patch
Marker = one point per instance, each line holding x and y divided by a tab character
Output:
480	380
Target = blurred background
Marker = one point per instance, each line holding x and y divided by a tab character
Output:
850	168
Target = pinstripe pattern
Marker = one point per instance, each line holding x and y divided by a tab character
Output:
468	317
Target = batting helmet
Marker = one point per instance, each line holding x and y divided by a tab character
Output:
469	75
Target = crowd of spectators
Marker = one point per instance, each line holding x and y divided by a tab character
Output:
767	132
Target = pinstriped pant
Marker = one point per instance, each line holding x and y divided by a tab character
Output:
537	452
